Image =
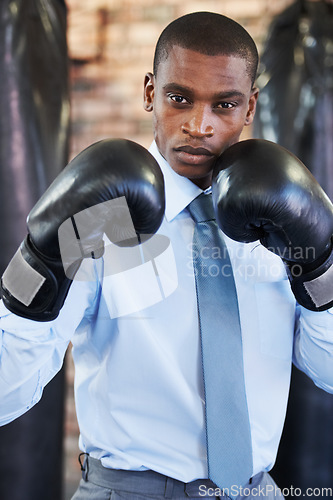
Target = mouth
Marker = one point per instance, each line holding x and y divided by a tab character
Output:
193	156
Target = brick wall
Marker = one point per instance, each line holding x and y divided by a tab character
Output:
111	45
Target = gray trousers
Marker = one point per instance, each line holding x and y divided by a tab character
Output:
99	483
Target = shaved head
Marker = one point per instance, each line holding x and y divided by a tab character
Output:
210	34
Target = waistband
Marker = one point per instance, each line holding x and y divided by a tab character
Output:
145	482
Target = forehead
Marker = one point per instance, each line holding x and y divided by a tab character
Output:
192	69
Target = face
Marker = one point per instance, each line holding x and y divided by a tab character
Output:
200	105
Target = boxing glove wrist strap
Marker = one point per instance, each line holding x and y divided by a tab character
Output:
32	287
313	289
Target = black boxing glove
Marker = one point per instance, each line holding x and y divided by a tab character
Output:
115	187
263	192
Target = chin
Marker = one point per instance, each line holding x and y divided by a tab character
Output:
201	179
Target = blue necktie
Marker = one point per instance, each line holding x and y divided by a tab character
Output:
229	450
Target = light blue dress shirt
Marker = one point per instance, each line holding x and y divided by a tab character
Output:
138	381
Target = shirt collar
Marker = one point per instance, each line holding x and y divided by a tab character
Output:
179	191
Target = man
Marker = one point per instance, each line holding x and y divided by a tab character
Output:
140	393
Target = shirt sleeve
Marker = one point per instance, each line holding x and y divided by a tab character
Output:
32	352
313	346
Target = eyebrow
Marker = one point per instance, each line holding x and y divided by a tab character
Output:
175	87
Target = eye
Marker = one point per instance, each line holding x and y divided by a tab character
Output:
178	99
226	105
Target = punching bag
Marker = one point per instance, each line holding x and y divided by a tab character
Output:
295	110
34	126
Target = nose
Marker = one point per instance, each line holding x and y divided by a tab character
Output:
198	123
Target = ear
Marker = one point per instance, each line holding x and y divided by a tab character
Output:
148	96
252	107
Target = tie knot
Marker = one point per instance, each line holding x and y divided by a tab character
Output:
201	208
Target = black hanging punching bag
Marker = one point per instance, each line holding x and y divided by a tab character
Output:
295	106
295	109
34	123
